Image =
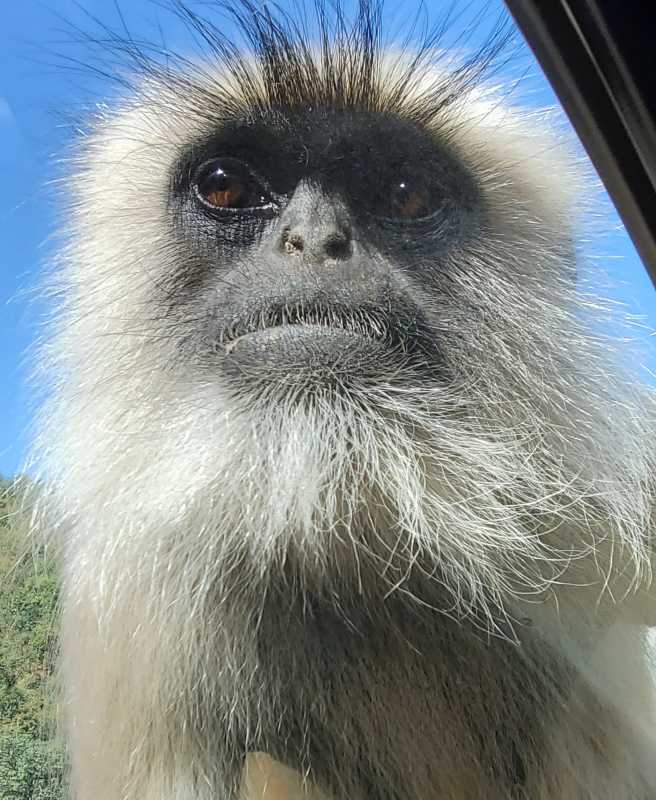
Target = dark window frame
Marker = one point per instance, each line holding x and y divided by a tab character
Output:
600	57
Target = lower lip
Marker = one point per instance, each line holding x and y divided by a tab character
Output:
290	335
291	352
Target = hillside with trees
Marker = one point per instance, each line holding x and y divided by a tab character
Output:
31	762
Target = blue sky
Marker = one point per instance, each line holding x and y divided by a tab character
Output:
37	93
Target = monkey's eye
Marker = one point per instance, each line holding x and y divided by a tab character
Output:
409	200
227	183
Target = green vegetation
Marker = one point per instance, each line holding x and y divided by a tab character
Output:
31	763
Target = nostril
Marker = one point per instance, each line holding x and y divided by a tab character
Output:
338	245
317	244
291	242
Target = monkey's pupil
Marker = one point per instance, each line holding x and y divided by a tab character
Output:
221	189
408	201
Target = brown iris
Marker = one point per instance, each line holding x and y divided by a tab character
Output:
221	190
408	201
227	183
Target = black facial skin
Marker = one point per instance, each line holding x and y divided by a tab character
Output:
309	238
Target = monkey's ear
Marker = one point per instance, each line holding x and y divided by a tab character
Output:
264	778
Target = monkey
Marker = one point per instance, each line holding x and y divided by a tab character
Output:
348	483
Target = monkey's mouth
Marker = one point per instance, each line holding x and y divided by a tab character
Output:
311	321
312	345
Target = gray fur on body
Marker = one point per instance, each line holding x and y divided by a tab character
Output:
403	589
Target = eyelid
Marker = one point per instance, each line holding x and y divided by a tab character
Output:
404	222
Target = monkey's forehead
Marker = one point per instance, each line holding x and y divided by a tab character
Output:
311	122
316	138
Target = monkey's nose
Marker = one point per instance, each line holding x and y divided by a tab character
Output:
336	244
315	226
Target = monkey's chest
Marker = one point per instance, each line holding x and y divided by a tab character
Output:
409	707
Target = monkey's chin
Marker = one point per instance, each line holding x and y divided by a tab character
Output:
306	356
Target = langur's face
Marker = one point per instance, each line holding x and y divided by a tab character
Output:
240	258
314	247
